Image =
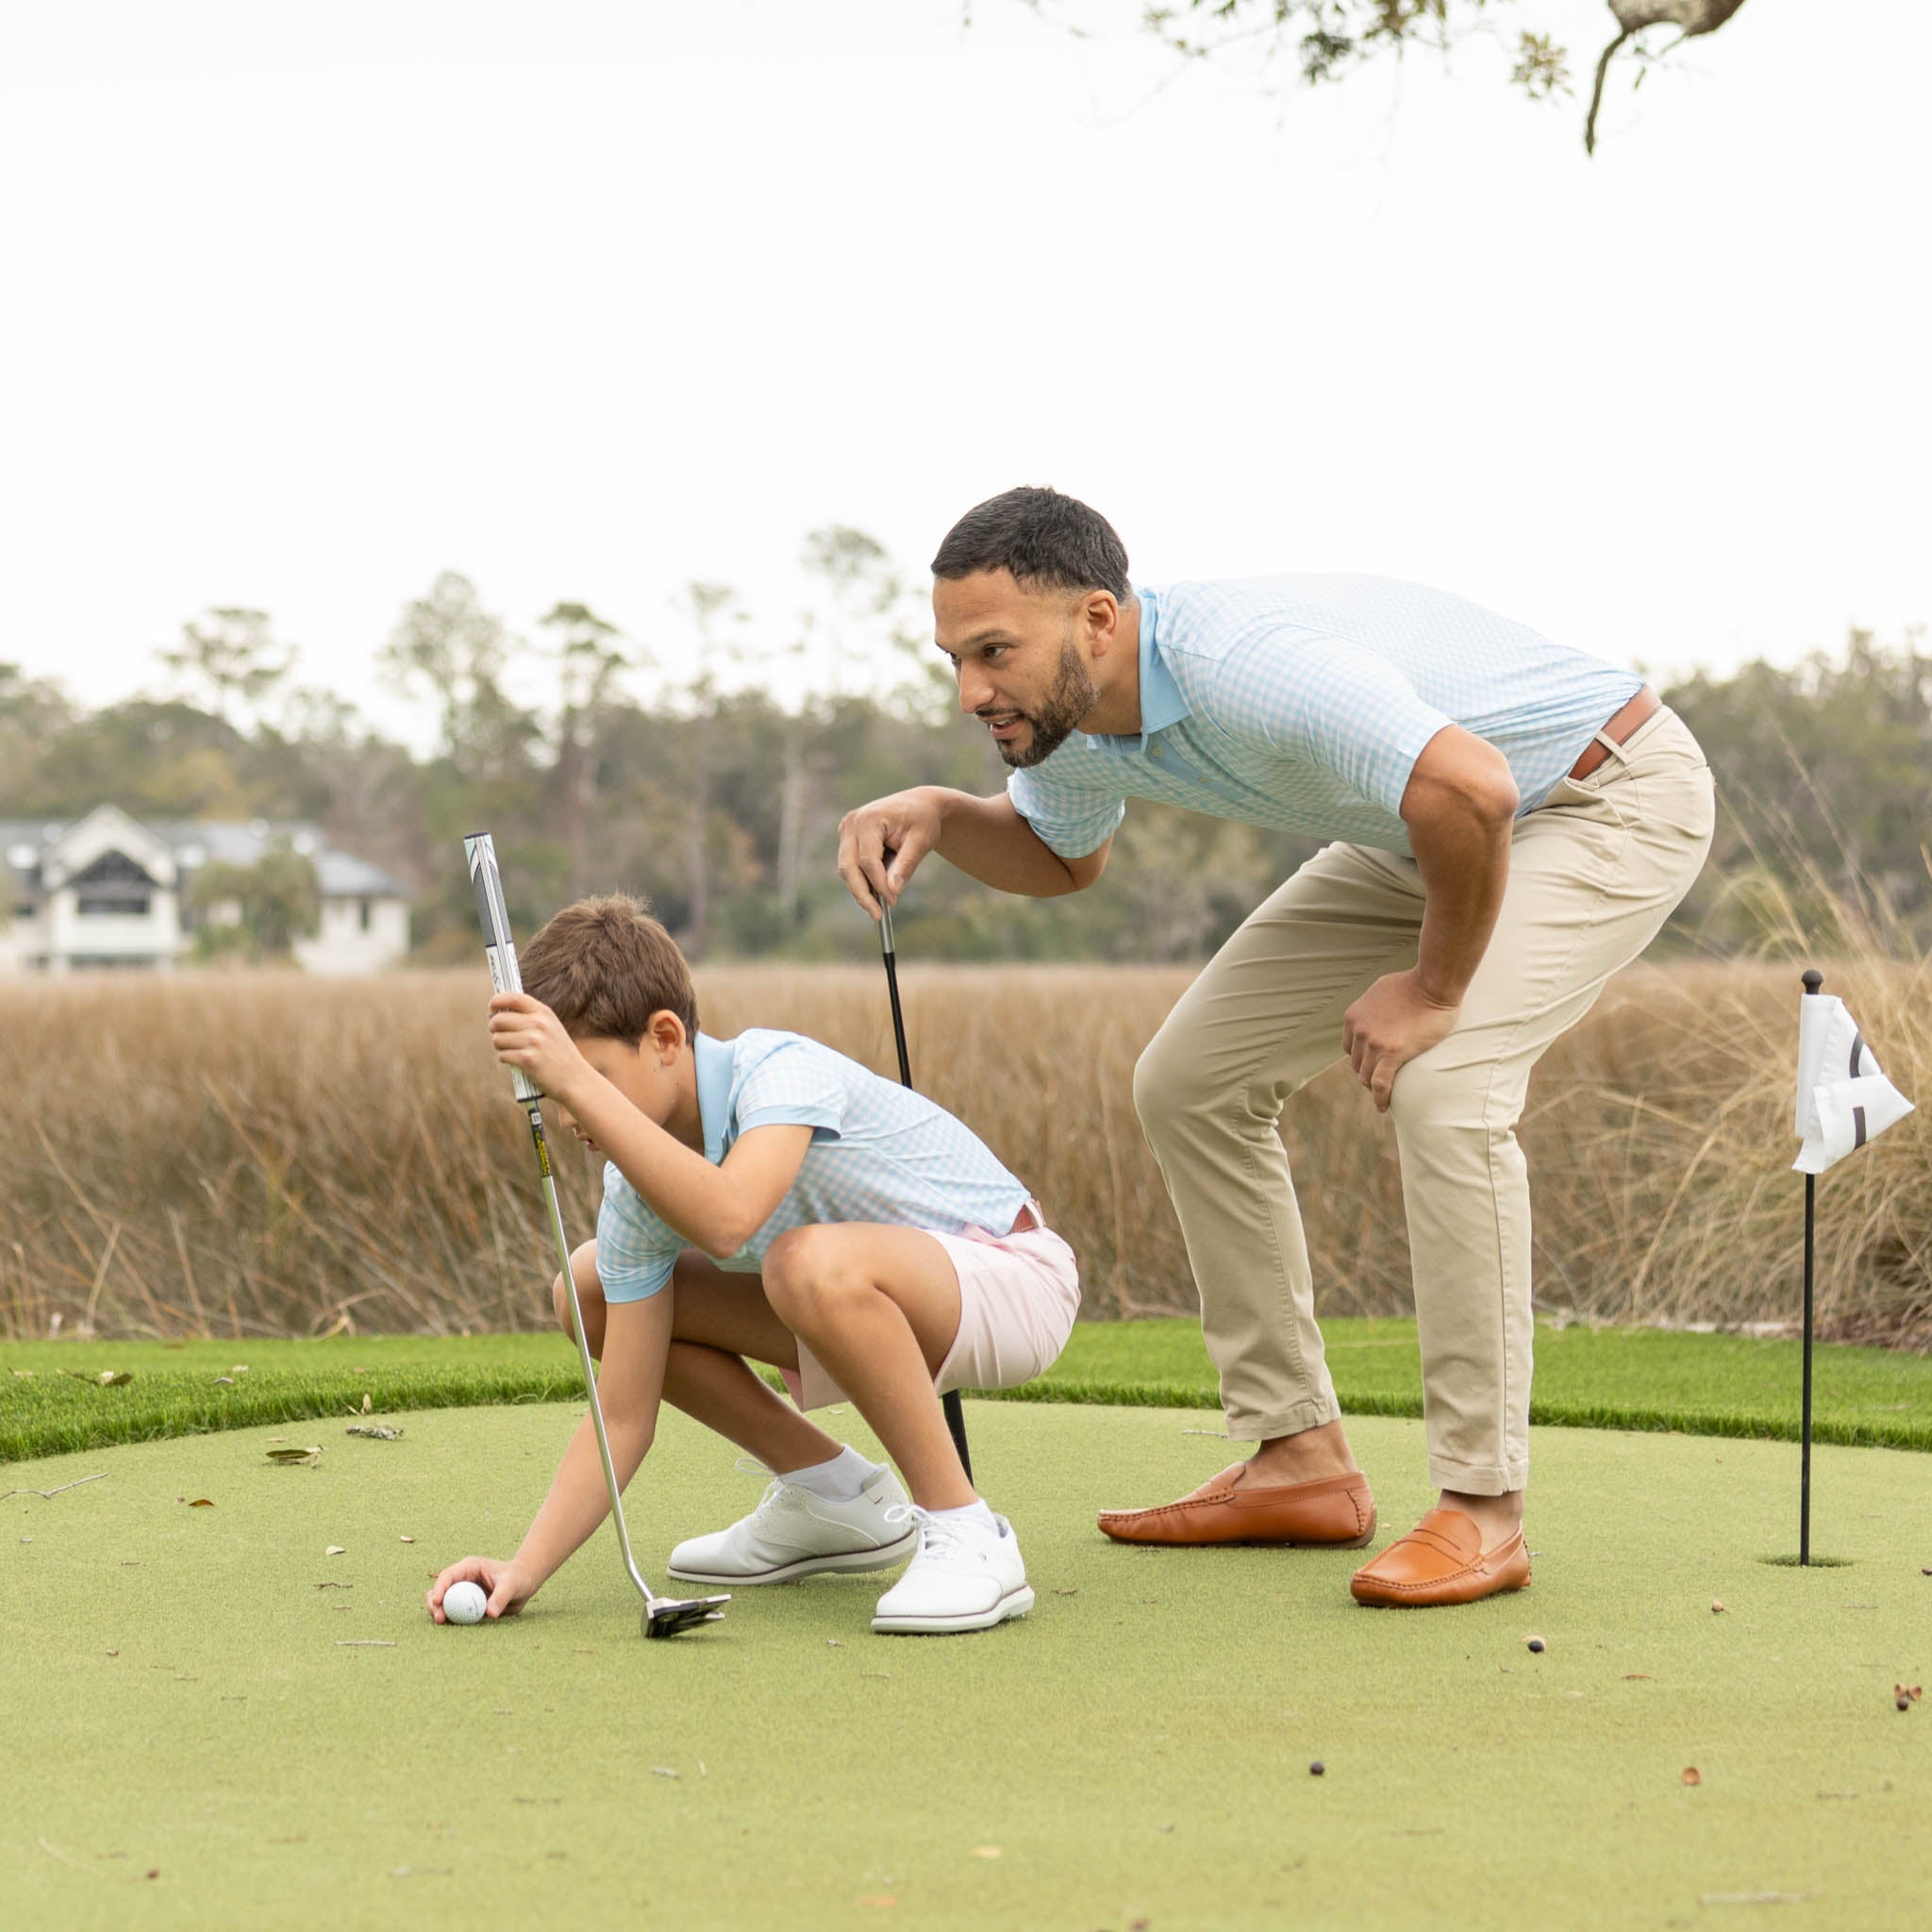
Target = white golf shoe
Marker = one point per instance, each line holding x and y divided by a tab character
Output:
965	1575
794	1533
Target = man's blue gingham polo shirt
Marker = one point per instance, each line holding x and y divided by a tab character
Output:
1303	703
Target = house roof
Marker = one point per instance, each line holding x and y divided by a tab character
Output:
339	874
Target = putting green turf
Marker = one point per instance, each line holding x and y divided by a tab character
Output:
281	1736
1719	1385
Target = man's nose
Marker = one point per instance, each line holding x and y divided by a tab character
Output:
975	689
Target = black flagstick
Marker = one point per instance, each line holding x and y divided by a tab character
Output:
1814	980
949	1401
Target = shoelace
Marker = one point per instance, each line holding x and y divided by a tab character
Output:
937	1534
751	1466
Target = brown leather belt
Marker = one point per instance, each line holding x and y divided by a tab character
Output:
1645	706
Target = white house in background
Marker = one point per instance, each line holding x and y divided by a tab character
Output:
108	890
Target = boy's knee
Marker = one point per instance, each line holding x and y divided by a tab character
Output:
583	1263
810	1270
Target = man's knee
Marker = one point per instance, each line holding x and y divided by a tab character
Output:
1167	1080
1432	1098
808	1273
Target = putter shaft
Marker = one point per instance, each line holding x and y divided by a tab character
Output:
664	1616
535	1109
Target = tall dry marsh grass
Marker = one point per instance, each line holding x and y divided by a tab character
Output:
275	1155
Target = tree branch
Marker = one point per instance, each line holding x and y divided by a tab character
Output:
1596	93
1694	16
1690	16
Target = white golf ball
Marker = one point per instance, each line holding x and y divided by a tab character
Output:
463	1603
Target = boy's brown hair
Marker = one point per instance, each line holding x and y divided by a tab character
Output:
604	966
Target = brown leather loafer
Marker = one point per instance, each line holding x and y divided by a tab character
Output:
1442	1560
1337	1510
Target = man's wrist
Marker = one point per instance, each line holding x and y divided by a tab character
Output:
1433	992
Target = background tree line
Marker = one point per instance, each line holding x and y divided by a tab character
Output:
671	765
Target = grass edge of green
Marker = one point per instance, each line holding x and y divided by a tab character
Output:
37	1438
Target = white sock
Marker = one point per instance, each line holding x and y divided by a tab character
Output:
974	1511
839	1480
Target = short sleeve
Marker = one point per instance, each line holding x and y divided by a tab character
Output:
1331	703
796	1083
1070	819
636	1251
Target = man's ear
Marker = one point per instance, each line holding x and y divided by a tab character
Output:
1098	619
666	1036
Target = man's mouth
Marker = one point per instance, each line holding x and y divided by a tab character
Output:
1003	723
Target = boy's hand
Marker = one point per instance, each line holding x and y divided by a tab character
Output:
526	1034
507	1588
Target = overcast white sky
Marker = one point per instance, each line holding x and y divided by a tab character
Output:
307	302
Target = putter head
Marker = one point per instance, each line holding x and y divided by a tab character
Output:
672	1617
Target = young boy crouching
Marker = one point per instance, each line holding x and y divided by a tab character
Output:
767	1199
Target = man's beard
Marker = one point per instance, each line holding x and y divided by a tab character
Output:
1068	700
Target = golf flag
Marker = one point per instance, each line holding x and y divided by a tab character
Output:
1843	1099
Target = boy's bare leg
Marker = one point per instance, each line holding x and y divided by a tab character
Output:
719	1389
879	1307
717	1319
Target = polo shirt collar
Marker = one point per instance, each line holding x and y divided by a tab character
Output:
1161	702
714	1065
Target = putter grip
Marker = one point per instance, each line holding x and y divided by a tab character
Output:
479	850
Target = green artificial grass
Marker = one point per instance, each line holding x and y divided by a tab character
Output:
1717	1385
214	1721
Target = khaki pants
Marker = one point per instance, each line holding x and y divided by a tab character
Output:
1593	873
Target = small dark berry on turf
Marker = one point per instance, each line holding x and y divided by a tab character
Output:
1317	1769
1536	1643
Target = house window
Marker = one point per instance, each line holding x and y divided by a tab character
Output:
365	914
113	887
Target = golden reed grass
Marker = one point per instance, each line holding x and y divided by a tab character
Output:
273	1155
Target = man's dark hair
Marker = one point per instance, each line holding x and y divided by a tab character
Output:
1040	537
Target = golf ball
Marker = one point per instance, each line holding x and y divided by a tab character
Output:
462	1603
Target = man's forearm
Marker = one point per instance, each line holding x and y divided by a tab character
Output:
1464	863
990	841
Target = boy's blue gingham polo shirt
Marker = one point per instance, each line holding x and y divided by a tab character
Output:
1303	703
878	1152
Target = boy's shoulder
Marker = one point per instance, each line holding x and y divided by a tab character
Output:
767	1076
752	1047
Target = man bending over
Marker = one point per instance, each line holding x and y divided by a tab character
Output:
1510	822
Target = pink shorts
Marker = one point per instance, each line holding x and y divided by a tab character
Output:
1019	1294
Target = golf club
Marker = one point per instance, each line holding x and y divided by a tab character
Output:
949	1401
664	1616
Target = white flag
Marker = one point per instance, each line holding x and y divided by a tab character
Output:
1843	1099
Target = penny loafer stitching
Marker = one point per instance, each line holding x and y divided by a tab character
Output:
1147	1515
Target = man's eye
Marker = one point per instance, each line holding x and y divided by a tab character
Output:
993	651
